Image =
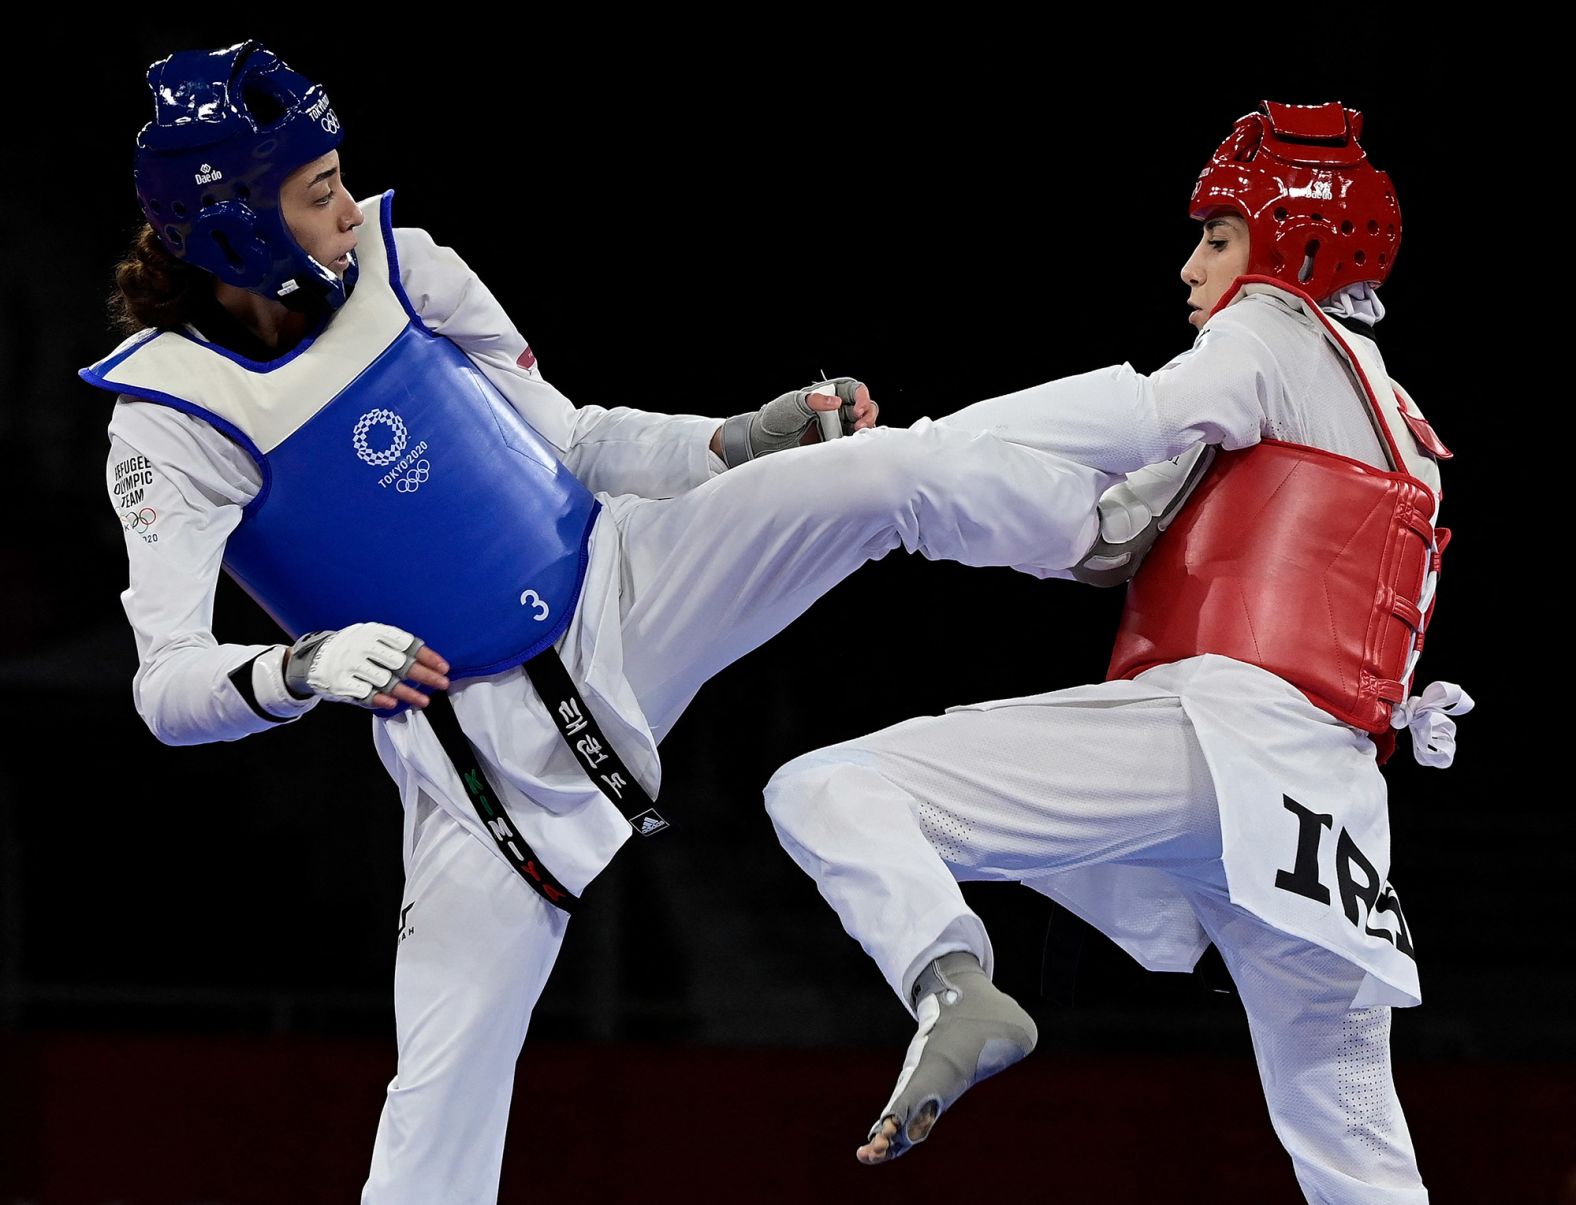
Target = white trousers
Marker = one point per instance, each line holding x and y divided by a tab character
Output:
889	823
706	577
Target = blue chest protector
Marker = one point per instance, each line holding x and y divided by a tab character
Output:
399	486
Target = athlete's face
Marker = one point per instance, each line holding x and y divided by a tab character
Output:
1220	257
320	214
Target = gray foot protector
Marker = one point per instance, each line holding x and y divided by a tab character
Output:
968	1031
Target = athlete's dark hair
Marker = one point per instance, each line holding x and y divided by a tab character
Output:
153	288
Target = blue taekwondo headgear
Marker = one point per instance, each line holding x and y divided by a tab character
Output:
228	127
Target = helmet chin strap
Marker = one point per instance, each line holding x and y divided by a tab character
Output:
314	296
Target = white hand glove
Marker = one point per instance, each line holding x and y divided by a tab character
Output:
352	664
782	422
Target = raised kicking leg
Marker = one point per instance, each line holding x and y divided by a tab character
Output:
888	823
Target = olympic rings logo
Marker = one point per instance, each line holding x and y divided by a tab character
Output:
379	418
416	478
330	123
137	520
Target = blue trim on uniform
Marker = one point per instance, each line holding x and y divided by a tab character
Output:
196	411
386	224
90	374
259	366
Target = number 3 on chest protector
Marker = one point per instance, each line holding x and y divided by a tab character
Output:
531	598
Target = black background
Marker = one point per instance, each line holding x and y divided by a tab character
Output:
691	217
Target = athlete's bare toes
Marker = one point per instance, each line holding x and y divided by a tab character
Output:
879	1148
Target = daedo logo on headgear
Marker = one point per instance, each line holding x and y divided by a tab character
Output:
410	468
207	174
1318	190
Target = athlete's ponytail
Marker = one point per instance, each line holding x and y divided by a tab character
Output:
153	288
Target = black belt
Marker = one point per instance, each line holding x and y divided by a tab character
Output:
594	751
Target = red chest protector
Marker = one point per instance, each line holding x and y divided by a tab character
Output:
1311	565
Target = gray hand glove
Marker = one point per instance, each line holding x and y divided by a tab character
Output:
350	665
781	423
1134	512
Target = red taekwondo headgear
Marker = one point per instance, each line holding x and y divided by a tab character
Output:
1320	216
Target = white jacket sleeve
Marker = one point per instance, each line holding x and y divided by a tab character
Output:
179	486
614	451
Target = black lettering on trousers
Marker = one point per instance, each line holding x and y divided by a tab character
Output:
1355	877
1303	877
1376	895
1388	902
1347	855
